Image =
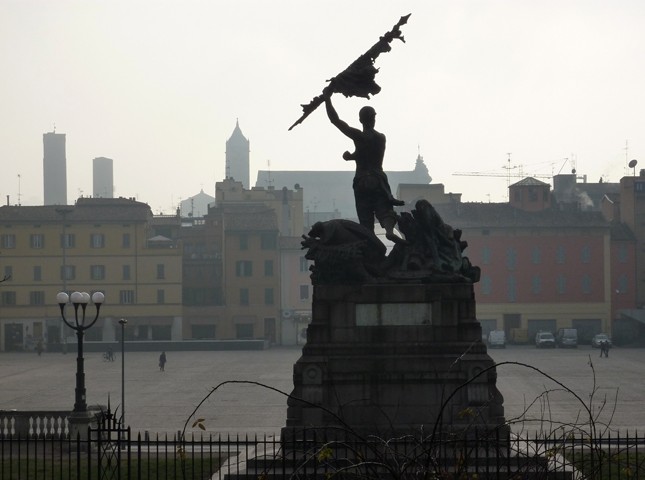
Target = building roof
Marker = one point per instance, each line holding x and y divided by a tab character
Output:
530	181
237	136
256	217
620	231
327	191
503	215
85	210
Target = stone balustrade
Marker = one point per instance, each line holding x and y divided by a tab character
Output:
38	423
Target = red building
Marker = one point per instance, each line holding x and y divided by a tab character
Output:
545	265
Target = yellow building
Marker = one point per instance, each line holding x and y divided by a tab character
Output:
251	272
233	277
98	244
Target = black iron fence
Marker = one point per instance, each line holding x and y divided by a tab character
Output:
110	452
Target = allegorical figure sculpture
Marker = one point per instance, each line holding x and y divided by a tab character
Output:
346	252
372	191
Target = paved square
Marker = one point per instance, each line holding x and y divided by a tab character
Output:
162	401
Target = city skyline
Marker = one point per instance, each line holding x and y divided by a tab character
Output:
159	88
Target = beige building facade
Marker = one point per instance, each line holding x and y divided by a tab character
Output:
95	245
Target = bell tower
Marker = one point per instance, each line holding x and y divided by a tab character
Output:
237	157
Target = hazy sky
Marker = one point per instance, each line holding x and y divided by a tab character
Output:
158	86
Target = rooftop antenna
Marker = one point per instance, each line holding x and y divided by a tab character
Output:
18	189
632	164
269	179
563	164
508	174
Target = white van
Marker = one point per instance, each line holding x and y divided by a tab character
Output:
497	339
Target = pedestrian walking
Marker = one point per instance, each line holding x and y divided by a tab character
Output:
162	361
604	348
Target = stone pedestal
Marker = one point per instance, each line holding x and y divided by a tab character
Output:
395	359
79	423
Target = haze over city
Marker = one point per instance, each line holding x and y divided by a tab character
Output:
158	87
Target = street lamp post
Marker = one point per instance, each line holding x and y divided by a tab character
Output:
123	322
79	417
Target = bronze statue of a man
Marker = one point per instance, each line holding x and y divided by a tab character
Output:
372	192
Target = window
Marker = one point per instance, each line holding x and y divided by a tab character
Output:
67	240
126	272
125	240
586	284
97	240
560	254
198	332
585	254
536	284
161	271
97	272
38	273
304	264
8	272
533	195
268	268
37	298
244	331
487	285
622	253
161	296
536	255
511	258
268	241
37	240
268	296
512	288
126	296
244	296
561	284
304	292
622	284
67	272
244	241
243	268
8	240
8	298
486	254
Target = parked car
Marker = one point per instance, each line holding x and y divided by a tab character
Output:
567	337
497	339
544	340
599	338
